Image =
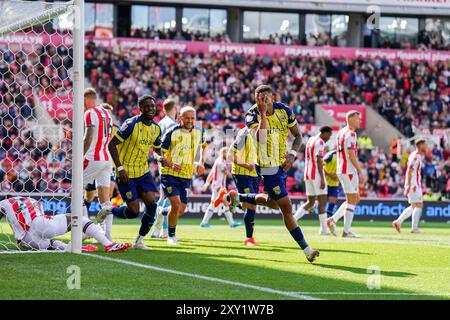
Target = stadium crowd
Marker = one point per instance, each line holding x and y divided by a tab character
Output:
220	88
30	163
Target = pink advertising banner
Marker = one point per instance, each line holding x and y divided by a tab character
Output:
146	45
338	112
58	107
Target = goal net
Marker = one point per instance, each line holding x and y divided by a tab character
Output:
40	130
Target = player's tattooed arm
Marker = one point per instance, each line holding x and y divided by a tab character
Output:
296	132
88	136
290	158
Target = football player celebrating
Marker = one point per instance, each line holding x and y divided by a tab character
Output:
270	122
129	149
181	145
243	155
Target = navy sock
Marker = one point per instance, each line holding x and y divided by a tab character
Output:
298	236
172	231
148	219
248	197
249	220
330	209
124	213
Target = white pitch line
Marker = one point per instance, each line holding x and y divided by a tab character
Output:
378	293
212	279
31	251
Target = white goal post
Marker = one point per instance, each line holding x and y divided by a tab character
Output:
42	67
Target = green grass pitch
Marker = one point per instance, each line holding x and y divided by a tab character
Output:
412	266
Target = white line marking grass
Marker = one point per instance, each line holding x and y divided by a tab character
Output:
206	278
378	293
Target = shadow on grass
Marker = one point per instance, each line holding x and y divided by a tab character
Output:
398	274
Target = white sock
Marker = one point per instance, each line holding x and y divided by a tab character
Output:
94	231
417	212
308	251
108	226
404	215
300	212
323	222
348	217
159	221
139	238
229	216
340	212
58	245
208	214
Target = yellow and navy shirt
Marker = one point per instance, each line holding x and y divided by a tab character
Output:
245	148
181	146
137	140
330	166
272	153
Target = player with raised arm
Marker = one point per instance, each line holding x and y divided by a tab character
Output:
270	122
35	230
166	123
97	159
316	186
413	188
349	173
244	157
129	149
181	145
217	177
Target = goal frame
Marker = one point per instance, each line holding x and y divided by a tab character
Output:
78	103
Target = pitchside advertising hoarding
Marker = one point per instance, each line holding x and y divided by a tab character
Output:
368	209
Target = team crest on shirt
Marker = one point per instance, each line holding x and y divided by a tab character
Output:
277	190
247	190
249	118
124	126
282	118
129	195
169	189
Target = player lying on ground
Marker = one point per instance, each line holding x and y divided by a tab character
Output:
129	149
413	188
270	122
34	230
243	156
349	173
181	145
315	177
218	176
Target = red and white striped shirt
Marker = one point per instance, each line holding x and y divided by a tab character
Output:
315	147
346	139
20	213
414	164
100	119
218	172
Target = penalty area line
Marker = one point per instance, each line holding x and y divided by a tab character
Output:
206	278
